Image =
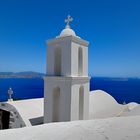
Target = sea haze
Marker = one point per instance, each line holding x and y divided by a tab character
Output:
122	89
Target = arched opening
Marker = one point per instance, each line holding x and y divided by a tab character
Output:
4	119
56	104
57	61
81	103
80	61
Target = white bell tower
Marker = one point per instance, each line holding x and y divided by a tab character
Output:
66	84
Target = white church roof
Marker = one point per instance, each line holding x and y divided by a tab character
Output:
31	110
103	105
67	32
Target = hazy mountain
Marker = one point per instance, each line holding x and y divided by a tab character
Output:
25	74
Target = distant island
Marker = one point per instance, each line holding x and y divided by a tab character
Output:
26	74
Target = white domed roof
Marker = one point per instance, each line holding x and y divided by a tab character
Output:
103	105
67	32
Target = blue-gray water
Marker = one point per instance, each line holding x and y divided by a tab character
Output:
121	89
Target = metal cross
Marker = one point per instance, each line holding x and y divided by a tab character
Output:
10	92
68	20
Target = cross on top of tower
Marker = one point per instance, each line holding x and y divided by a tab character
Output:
68	20
67	31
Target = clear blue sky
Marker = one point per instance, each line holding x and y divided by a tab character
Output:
111	26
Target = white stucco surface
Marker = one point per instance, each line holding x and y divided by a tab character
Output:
69	55
133	112
103	105
69	105
121	128
132	105
29	109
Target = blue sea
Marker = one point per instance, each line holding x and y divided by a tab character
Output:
122	89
